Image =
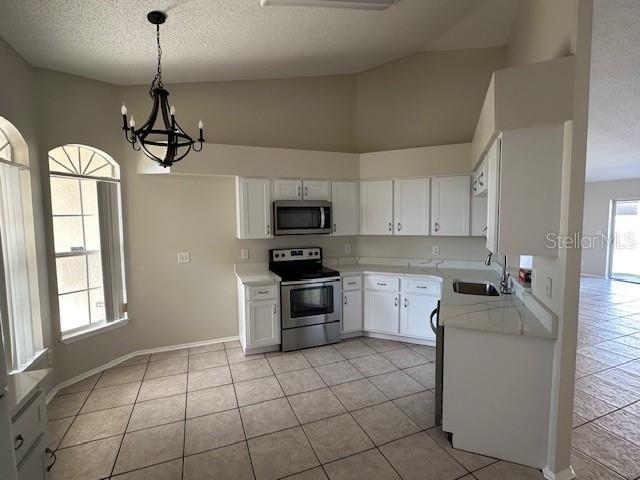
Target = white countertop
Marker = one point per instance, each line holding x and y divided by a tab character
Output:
505	314
21	387
255	274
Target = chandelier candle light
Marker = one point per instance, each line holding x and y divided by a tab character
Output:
160	138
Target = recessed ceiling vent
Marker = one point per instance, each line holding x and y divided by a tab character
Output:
355	4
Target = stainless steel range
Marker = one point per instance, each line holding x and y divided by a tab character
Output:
311	309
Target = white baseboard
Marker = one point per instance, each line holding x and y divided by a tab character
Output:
567	474
398	338
52	393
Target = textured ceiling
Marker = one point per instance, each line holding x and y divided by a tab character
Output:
614	105
238	39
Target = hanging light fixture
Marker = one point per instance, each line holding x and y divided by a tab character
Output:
160	138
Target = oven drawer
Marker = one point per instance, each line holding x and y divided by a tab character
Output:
352	283
382	282
264	292
418	285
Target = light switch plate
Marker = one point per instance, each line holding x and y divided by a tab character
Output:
347	248
244	254
435	250
184	257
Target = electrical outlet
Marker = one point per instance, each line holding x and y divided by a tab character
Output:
549	287
435	250
184	257
244	254
347	248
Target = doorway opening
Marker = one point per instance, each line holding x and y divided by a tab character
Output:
624	241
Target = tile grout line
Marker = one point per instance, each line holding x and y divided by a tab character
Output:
115	461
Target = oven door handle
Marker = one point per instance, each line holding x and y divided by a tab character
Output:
323	218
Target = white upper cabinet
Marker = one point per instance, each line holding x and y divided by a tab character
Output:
344	197
316	190
376	207
287	189
525	188
411	206
450	205
253	208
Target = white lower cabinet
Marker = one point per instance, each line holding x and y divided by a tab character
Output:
381	311
35	464
263	326
414	315
351	311
259	317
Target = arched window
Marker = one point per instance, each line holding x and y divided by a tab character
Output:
19	298
86	210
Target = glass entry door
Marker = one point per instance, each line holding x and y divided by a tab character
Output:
624	242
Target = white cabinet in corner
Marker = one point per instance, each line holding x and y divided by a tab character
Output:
253	208
376	207
344	199
259	317
450	205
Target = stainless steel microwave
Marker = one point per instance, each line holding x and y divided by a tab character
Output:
306	217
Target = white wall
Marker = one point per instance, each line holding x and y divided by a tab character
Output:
597	200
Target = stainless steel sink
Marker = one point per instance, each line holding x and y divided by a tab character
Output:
470	288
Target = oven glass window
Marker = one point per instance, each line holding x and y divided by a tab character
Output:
298	218
306	302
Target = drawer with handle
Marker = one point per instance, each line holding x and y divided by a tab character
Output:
382	282
264	292
352	283
28	424
425	286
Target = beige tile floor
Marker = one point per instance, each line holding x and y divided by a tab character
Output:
360	409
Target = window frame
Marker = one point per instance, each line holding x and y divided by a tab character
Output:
91	328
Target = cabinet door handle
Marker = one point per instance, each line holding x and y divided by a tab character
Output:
268	229
399	226
299	191
382	284
480	181
406	303
390	226
423	287
351	283
52	454
345	299
475	182
18	441
396	301
306	191
334	228
436	226
275	309
484	230
262	292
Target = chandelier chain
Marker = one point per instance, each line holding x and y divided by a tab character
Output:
157	80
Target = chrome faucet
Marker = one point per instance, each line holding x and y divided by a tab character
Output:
487	262
505	289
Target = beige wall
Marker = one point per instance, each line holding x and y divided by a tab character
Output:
171	303
542	30
430	98
597	201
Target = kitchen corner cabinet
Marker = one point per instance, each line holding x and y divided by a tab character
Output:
411	206
376	207
253	208
450	205
259	317
345	200
525	185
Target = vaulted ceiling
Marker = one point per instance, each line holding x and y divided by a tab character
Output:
238	39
